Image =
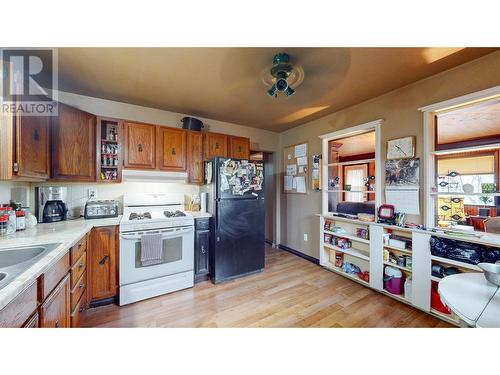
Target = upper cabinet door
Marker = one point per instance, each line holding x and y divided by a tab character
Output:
239	147
140	147
215	145
195	157
73	145
33	147
171	149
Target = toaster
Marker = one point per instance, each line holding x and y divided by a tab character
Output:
101	209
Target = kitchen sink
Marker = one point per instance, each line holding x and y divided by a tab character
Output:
15	260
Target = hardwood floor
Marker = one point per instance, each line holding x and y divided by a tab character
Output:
291	292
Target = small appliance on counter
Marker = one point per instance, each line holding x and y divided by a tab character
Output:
101	209
50	204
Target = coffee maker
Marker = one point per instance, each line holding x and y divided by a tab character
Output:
50	205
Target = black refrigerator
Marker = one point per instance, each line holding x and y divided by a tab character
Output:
235	190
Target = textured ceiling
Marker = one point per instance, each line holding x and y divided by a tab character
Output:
226	83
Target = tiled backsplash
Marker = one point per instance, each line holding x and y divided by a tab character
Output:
78	192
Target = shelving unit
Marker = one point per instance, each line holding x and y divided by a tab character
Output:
352	252
338	270
450	318
109	156
408	270
348	236
455	263
393	248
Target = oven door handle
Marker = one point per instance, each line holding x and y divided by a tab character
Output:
174	232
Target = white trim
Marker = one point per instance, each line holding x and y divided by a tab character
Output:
462	100
491	146
362	161
352	130
347	132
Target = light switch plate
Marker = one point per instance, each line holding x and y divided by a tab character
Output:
305	237
92	193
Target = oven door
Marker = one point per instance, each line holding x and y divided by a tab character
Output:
178	254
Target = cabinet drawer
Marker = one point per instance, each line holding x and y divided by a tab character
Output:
76	314
78	250
55	311
78	290
78	269
48	281
19	309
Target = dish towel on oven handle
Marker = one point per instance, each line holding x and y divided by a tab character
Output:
151	249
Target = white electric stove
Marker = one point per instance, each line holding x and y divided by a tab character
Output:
155	213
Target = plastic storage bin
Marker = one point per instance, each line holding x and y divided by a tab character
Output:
393	280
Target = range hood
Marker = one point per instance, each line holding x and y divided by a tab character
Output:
153	176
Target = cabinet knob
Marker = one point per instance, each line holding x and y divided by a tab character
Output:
239	149
203	249
36	136
80	266
173	151
139	147
81	286
57	324
103	260
217	145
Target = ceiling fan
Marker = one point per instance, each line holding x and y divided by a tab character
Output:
283	76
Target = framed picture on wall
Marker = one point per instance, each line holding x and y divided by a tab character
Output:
401	148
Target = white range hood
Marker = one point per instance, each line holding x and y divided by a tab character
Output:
153	176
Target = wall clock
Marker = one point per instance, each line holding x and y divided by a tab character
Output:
401	148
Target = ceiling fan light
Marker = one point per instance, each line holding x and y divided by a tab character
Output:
272	91
289	91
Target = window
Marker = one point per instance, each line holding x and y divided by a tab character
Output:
355	177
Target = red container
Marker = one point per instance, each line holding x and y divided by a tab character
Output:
436	302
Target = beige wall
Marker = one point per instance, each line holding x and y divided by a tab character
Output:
399	110
261	140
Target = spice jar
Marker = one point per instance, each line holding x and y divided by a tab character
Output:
20	220
11	224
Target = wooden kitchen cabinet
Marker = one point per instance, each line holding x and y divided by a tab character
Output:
55	311
215	144
73	145
18	311
32	156
195	157
139	145
171	149
239	147
102	263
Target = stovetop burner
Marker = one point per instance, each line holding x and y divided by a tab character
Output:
174	213
139	216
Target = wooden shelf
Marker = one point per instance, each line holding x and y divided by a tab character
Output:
351	191
347	220
496	194
347	235
455	263
437	279
406	251
451	318
352	252
397	266
349	276
351	162
399	297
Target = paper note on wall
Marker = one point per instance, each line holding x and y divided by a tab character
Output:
301	184
291	169
301	169
288	182
404	200
301	150
302	160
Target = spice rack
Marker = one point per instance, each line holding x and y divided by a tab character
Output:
109	157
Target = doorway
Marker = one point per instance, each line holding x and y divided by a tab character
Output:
269	192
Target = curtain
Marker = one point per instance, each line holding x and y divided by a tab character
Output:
355	176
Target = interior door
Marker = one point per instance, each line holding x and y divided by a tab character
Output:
239	242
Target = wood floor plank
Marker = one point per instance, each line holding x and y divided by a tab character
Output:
290	292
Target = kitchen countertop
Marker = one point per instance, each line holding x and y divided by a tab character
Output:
67	233
198	214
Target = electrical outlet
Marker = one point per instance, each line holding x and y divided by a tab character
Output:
305	237
92	193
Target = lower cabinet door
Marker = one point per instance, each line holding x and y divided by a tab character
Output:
102	263
202	242
55	311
